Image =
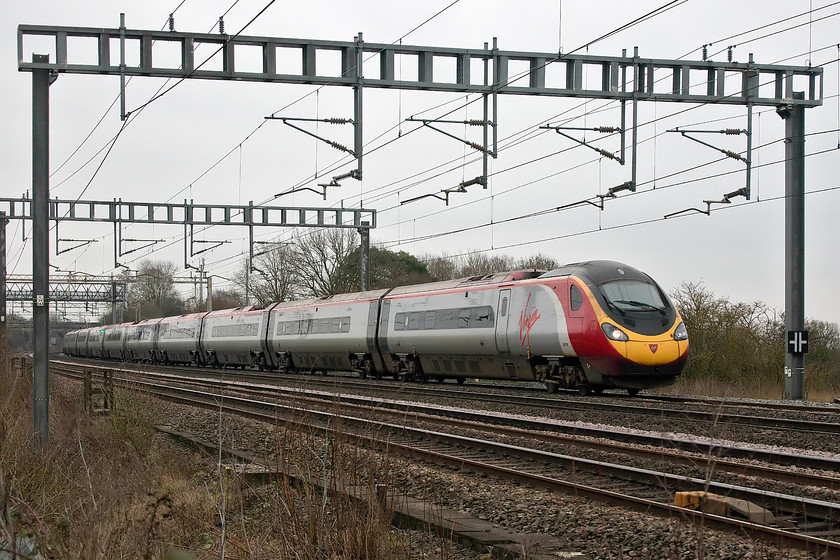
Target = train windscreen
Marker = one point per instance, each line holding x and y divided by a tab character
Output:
633	295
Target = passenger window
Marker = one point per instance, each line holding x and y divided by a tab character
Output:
336	325
399	321
446	320
464	318
575	297
429	322
503	311
414	321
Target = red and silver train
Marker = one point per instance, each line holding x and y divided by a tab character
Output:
589	326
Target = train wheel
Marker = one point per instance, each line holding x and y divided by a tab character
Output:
551	386
583	390
633	392
440	379
598	390
461	380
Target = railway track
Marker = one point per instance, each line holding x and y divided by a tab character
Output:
715	417
554	430
614	483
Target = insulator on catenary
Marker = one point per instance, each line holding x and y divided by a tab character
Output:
732	154
221	25
729	54
705	52
338	121
605	153
475	122
607	129
338	146
478	147
732	131
171	22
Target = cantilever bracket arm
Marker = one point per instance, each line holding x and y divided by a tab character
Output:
335	145
727	199
728	131
707	211
80	243
460	188
213	245
473	145
148	243
334	182
605	153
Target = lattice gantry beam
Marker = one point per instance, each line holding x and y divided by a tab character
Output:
187	213
689	81
20	290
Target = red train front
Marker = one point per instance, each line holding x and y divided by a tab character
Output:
623	329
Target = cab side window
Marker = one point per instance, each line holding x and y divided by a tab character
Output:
575	298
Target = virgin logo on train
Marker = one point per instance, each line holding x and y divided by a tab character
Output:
653	347
526	321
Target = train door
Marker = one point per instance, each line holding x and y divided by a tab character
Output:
502	317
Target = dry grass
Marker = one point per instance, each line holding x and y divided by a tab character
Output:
110	487
759	389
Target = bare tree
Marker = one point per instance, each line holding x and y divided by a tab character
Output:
537	261
275	276
154	289
441	267
319	258
478	264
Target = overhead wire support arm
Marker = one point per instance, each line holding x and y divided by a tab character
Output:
728	132
210	248
148	243
473	145
460	188
334	182
335	145
727	199
605	129
80	243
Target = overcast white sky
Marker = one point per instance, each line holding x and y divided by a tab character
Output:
165	153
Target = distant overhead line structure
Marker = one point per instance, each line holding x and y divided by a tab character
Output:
68	288
188	214
754	84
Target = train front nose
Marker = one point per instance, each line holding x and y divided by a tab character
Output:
662	354
652	352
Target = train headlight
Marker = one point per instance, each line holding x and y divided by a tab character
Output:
613	332
680	333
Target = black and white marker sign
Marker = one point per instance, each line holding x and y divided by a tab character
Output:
797	342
